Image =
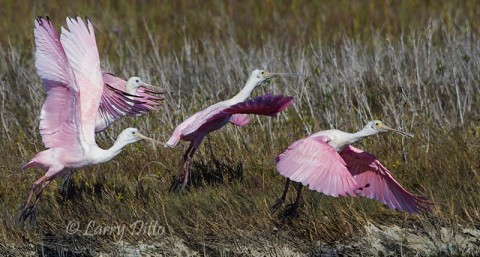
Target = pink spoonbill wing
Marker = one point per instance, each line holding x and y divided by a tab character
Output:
263	105
115	103
50	59
378	183
82	54
213	117
114	81
311	161
53	68
148	95
58	117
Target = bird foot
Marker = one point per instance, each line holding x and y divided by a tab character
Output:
29	211
277	205
290	210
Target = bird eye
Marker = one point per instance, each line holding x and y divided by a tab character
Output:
377	124
133	132
137	80
263	72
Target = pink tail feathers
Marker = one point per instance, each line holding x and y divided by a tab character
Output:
173	140
32	164
239	119
38	161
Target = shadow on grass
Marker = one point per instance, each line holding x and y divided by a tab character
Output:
215	172
73	188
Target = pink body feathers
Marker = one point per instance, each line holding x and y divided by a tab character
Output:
234	110
327	163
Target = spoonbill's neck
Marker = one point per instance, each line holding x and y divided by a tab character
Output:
104	155
245	92
131	90
363	133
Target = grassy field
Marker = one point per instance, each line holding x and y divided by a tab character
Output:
412	64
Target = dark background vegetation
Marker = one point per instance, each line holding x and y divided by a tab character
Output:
413	64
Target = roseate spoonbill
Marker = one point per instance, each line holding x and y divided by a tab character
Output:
327	163
132	98
67	120
119	98
216	116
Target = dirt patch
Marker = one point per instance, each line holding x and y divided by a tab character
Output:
396	241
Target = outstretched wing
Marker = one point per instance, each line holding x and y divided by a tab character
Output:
378	183
59	116
150	97
268	105
311	161
114	81
115	103
214	116
263	105
82	53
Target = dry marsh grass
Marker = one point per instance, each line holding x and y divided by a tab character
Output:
424	80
